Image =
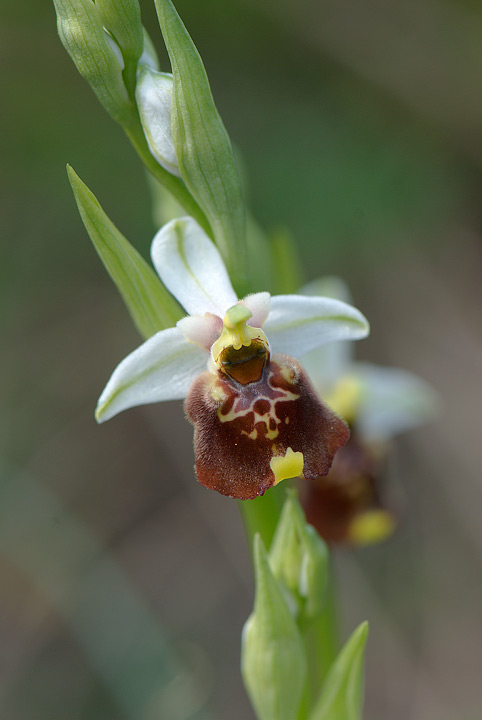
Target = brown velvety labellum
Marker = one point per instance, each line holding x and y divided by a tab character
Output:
332	502
239	428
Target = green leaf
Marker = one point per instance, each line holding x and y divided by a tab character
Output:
341	697
151	307
82	33
122	18
202	144
273	661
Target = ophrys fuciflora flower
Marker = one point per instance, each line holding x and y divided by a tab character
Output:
257	418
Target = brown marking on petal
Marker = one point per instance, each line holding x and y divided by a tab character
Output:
255	406
262	407
235	442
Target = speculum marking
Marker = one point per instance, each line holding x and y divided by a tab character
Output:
256	403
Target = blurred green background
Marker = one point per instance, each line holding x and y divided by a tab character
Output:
123	584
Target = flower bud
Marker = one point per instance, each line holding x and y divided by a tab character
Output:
154	100
203	147
123	20
299	559
273	660
82	33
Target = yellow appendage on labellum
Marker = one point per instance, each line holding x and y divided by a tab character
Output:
288	466
257	418
371	527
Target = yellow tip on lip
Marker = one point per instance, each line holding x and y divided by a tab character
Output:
371	527
289	465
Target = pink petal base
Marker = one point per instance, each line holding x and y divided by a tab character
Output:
202	330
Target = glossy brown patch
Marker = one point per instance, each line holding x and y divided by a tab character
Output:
246	364
239	428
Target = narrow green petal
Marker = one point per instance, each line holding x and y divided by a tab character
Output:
81	31
202	144
341	697
151	307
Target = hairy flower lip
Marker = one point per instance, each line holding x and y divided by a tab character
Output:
250	437
191	268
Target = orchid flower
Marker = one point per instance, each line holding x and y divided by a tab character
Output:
378	403
257	417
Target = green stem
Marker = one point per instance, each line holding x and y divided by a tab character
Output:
173	184
129	76
261	515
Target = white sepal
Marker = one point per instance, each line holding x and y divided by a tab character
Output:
297	324
393	400
191	268
162	368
